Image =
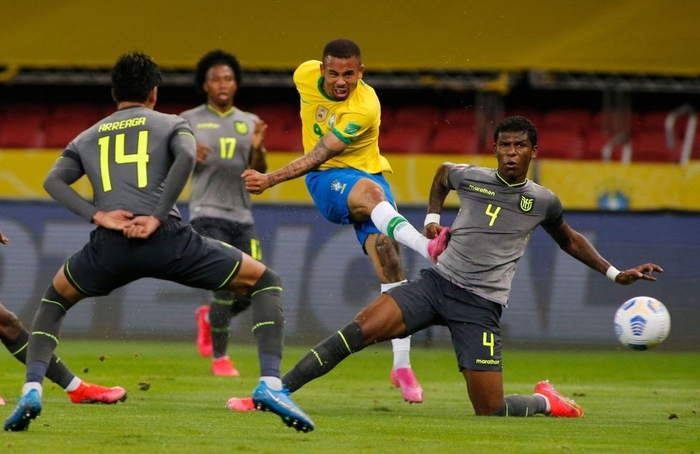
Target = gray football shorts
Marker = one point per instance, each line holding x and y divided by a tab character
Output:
175	252
240	236
473	321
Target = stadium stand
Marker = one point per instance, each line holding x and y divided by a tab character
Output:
284	136
571	120
555	143
601	145
652	146
65	121
460	116
418	115
565	133
455	138
406	138
277	113
22	125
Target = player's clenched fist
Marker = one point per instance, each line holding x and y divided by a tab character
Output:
255	182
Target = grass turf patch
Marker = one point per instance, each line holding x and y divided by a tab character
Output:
642	402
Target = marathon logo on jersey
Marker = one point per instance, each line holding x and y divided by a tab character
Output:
526	204
489	361
321	114
352	128
338	186
241	127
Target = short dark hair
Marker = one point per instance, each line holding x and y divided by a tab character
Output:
516	124
134	75
214	58
342	48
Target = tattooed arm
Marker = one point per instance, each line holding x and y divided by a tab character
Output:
328	147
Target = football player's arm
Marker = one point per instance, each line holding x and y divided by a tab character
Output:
183	146
326	148
438	193
577	246
66	171
258	153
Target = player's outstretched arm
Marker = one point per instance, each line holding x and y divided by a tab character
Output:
577	246
4	239
328	147
642	272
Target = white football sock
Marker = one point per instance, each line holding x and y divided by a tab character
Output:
401	347
392	224
32	385
274	383
73	385
402	352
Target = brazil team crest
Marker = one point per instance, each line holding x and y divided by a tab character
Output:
241	127
321	114
526	204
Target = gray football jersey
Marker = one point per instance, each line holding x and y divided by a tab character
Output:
127	156
492	229
217	187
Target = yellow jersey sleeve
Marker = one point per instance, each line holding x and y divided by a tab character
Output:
355	121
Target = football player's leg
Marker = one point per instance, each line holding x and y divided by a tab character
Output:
220	320
386	259
373	199
264	288
15	338
381	320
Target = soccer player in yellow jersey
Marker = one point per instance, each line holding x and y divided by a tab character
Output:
340	117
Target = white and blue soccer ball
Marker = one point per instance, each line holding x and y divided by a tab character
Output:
642	323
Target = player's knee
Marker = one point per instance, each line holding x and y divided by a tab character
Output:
10	325
502	411
269	280
51	295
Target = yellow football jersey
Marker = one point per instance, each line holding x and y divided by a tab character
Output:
354	120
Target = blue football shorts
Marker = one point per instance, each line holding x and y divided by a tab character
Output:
330	189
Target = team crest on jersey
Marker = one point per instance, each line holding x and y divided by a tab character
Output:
338	186
526	204
241	127
321	114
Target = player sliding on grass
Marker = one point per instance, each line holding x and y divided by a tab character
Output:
138	161
15	338
469	286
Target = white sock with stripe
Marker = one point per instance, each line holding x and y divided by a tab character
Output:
392	224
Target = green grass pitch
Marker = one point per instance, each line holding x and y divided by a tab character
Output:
635	402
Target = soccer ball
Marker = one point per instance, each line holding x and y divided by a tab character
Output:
642	323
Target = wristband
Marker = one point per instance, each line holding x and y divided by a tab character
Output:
430	218
612	273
